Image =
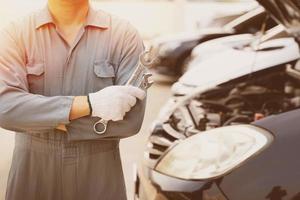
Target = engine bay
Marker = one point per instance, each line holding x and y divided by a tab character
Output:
240	101
243	101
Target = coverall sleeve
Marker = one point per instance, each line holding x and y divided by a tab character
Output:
20	110
133	46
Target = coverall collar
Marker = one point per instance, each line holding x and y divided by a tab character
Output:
95	18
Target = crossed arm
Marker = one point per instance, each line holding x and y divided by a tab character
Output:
80	108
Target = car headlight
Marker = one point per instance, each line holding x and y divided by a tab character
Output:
167	48
213	153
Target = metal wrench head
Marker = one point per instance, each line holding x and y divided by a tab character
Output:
146	82
147	59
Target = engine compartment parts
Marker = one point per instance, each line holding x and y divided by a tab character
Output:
239	101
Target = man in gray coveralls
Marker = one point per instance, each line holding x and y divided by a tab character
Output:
61	69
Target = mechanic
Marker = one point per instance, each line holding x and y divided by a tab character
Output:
61	69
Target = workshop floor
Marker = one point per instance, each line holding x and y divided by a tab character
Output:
131	148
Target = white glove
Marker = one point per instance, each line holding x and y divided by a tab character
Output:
112	103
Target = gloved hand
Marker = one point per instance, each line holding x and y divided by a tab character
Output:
112	103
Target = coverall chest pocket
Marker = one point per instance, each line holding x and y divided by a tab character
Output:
35	77
104	75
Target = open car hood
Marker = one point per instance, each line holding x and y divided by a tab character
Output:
285	12
234	63
189	36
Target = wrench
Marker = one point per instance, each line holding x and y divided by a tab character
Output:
139	78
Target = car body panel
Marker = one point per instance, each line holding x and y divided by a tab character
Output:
234	61
275	170
188	36
273	173
214	46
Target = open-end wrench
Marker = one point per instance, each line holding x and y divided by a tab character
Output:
139	78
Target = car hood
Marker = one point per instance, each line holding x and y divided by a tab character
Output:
285	12
212	47
232	63
188	36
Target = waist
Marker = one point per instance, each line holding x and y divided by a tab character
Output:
58	143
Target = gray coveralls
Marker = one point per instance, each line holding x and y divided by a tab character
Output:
39	77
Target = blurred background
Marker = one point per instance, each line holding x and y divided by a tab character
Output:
157	21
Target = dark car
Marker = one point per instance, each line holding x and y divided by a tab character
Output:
173	53
261	164
237	141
